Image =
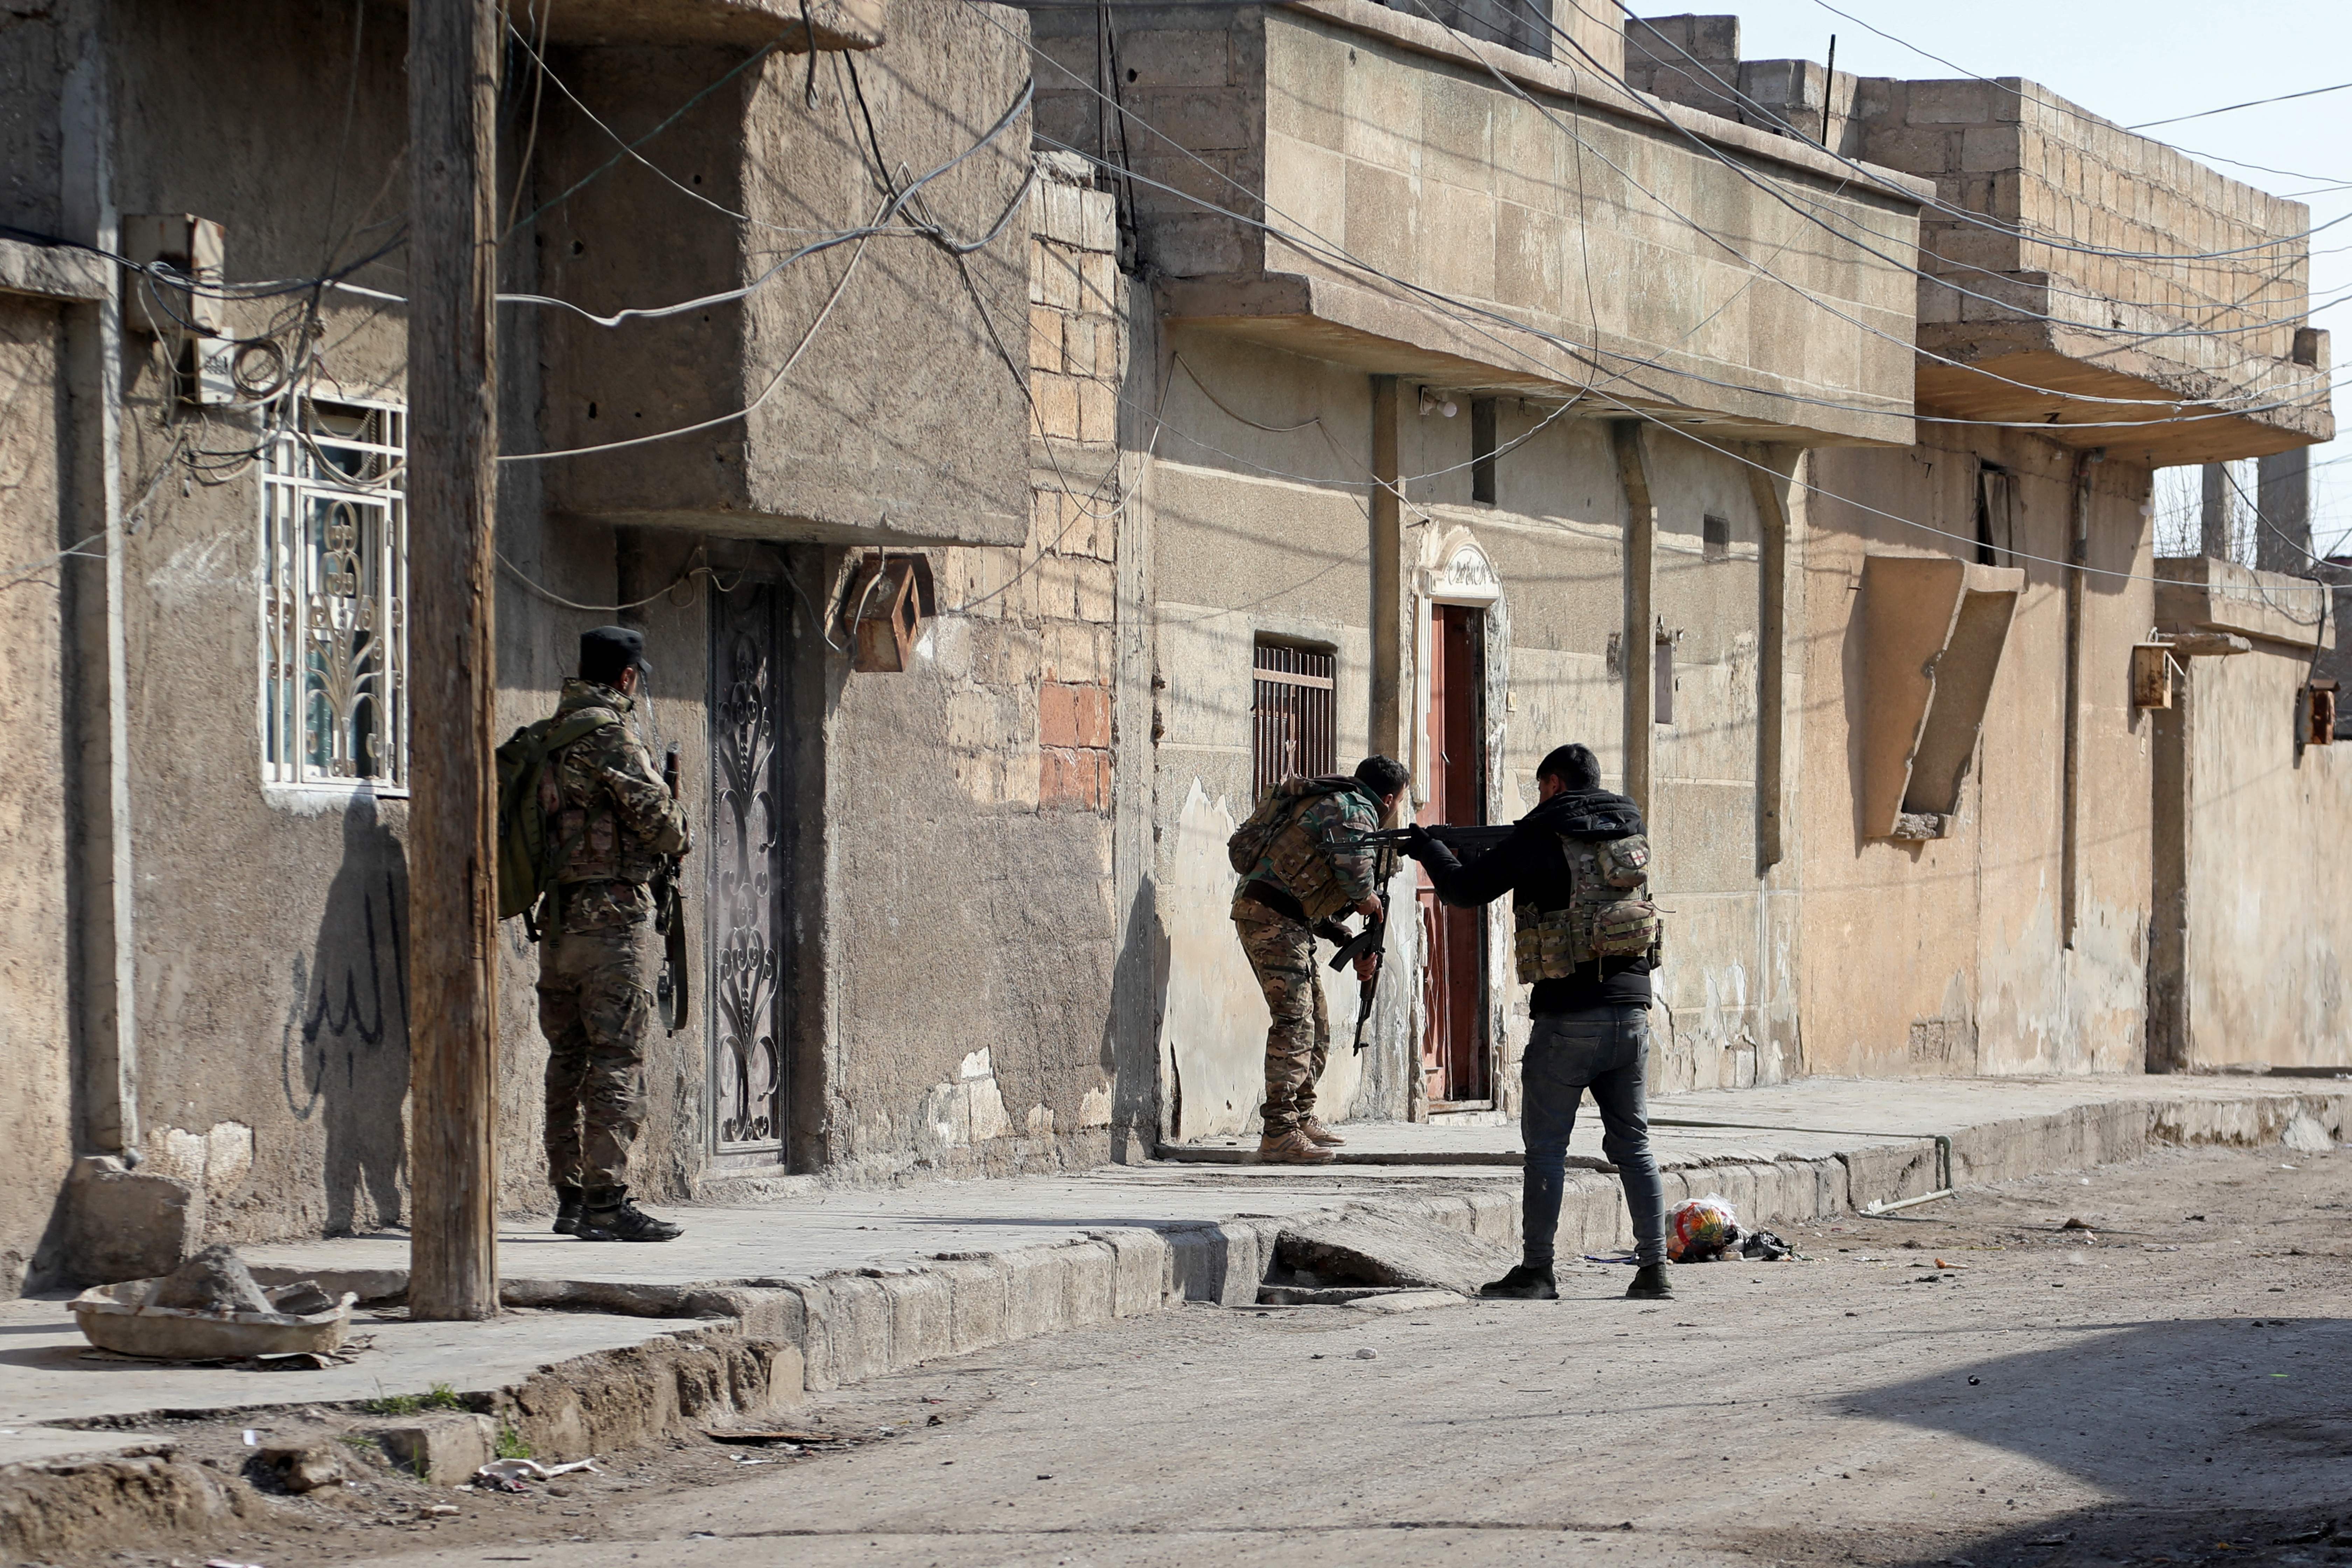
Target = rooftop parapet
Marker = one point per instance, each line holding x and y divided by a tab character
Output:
1366	186
2105	264
2066	260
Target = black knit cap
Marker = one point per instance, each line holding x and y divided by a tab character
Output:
606	651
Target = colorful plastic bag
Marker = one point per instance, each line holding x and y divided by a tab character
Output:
1701	1230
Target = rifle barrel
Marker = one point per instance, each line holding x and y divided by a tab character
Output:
1466	841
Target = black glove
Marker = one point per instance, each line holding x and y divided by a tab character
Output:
1418	843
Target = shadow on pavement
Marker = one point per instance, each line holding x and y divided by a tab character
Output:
2221	1439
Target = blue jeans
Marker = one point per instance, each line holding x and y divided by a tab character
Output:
1601	1049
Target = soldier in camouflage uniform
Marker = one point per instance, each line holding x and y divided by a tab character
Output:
1313	867
613	822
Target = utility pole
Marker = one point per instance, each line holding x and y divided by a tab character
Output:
453	66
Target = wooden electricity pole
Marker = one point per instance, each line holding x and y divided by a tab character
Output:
453	64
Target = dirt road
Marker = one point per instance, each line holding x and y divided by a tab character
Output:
1977	1386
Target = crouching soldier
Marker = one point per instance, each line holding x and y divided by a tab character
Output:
1303	862
613	822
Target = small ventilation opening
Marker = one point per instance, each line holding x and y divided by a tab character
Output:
1482	450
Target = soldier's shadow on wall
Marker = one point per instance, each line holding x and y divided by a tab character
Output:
345	1056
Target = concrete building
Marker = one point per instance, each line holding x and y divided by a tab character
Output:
903	878
1994	873
1019	457
1474	422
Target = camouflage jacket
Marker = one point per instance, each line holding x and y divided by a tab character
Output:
1319	857
615	815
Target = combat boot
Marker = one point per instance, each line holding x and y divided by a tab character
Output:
1317	1133
1650	1284
611	1217
1527	1282
568	1201
1291	1148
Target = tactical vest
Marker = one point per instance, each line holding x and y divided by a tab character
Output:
598	846
1300	865
1609	912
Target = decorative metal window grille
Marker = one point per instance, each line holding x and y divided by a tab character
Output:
334	598
1293	728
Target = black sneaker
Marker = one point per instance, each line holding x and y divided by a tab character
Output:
1524	1283
621	1220
1650	1284
567	1211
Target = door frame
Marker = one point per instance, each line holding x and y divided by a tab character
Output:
1455	569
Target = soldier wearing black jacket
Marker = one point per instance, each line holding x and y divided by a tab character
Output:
1587	937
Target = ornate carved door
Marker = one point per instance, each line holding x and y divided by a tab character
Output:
747	872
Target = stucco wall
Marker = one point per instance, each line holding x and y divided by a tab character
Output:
2251	967
35	1051
271	986
1254	531
1948	956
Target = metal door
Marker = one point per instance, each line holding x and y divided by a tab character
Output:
747	872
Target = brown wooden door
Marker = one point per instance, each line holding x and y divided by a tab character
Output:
1454	1049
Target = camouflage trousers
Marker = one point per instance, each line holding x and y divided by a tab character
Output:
1298	1038
596	1009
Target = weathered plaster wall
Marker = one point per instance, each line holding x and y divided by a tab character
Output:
1950	955
2266	972
970	932
1255	532
1728	984
272	972
271	985
35	1049
37	49
2250	969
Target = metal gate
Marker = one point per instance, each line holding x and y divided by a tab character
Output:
747	872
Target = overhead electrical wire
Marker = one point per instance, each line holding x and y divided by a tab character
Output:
840	286
881	224
2233	108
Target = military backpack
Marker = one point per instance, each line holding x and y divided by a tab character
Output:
530	858
1276	839
1609	915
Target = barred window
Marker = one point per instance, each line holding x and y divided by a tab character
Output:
1292	716
334	598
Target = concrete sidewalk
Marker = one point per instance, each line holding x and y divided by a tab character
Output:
840	1286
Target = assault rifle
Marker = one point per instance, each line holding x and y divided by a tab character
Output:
1371	940
1467	843
669	919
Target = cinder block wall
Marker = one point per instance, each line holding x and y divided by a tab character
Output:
2028	159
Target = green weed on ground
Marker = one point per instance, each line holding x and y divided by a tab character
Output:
443	1398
